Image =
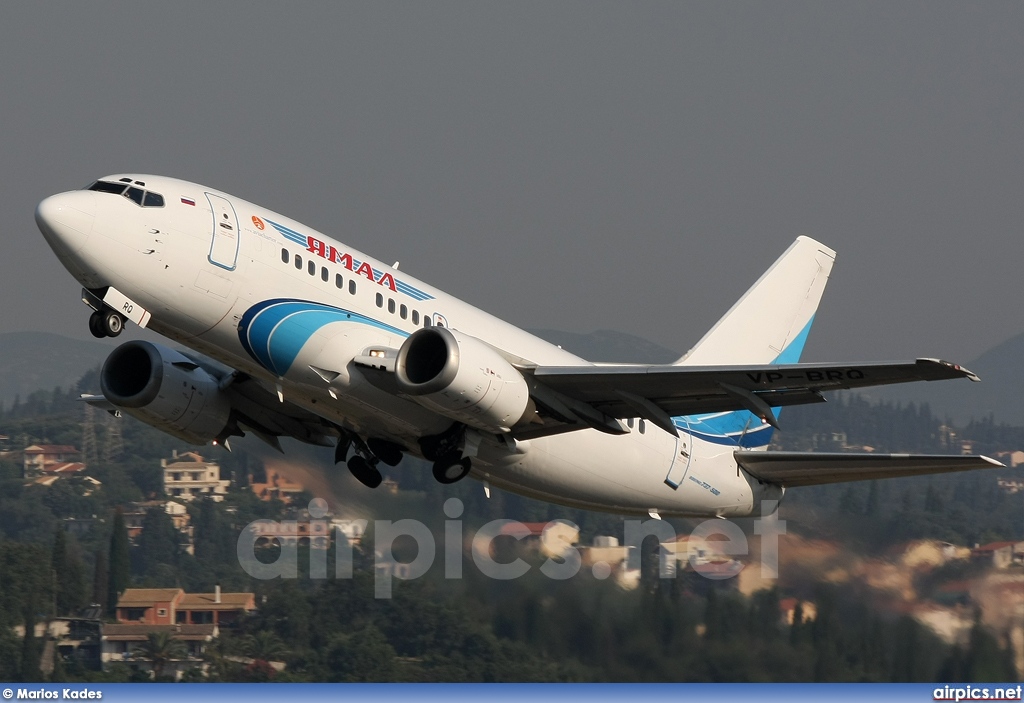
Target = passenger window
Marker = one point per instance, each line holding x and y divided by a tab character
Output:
426	320
153	200
643	426
311	267
415	317
403	312
135	194
380	300
352	286
284	255
338	281
298	262
629	423
391	305
324	274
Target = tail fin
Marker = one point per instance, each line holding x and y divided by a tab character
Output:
769	324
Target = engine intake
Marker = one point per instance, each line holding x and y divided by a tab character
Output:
462	378
167	390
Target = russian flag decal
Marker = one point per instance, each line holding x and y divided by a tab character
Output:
187	201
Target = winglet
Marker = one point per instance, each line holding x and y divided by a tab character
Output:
957	367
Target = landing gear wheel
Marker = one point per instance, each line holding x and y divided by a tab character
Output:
388	452
364	472
451	468
96	325
113	323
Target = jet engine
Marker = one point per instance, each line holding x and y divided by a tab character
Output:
462	378
167	390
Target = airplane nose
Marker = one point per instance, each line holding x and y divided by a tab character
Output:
65	220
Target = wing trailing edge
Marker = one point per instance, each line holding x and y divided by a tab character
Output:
792	469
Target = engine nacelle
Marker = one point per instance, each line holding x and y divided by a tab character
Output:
167	390
462	378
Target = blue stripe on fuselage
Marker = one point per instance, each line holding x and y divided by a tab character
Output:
273	332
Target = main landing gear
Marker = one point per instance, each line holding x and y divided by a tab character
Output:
444	450
451	468
363	464
106	323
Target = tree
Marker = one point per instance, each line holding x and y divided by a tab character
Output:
265	645
362	655
99	577
213	537
871	507
67	575
158	542
160	648
119	574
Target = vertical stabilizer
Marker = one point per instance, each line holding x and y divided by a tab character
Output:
769	324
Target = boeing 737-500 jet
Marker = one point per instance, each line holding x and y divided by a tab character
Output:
325	344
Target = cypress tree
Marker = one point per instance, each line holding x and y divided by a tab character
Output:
158	543
119	574
99	578
59	567
67	575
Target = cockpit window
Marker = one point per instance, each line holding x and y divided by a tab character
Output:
104	187
136	195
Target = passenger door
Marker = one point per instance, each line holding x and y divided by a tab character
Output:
224	244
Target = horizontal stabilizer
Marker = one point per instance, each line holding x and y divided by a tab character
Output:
813	468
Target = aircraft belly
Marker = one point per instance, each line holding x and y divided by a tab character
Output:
623	474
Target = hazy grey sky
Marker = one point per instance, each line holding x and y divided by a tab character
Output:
628	166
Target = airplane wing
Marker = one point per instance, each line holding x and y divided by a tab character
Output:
595	396
811	469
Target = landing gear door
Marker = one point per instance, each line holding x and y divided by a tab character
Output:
224	245
681	459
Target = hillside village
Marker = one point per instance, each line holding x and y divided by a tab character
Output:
152	526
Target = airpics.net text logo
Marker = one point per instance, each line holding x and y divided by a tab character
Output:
563	558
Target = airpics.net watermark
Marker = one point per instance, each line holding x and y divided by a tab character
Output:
564	560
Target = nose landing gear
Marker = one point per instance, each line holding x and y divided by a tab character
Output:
105	323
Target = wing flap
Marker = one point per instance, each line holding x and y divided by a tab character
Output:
792	469
616	389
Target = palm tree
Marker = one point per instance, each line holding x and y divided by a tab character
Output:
265	645
159	649
218	656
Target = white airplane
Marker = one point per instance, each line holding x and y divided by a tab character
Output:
332	347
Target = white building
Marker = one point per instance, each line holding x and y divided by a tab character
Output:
188	476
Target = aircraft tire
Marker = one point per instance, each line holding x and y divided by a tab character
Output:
451	468
113	324
96	325
388	452
366	474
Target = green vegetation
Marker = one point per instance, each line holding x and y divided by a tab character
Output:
478	629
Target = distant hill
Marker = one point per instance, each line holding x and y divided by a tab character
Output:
31	361
1001	391
609	346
